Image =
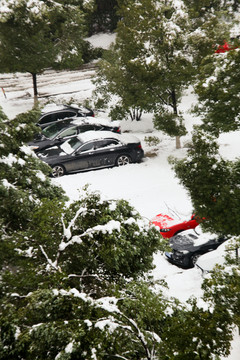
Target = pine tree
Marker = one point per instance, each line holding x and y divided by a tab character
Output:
38	35
149	66
103	17
212	183
218	92
222	289
74	276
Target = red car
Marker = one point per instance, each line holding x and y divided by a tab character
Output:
170	227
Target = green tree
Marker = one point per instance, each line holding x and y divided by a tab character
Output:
23	178
212	183
74	279
218	92
24	184
103	17
135	322
222	289
149	66
38	35
210	24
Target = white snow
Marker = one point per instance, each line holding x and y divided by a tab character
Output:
91	135
151	187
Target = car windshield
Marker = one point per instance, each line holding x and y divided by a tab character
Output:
52	130
70	145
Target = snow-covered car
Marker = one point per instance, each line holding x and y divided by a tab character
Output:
92	150
188	247
55	113
168	226
208	261
61	131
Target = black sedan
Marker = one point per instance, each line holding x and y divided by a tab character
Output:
62	112
188	246
92	150
61	131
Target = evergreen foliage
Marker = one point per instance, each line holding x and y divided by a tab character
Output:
73	275
218	92
213	184
222	289
39	34
103	17
23	176
210	22
149	65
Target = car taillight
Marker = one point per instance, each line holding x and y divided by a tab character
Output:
119	130
139	146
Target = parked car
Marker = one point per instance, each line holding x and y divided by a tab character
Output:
61	112
169	227
207	261
60	131
187	247
92	150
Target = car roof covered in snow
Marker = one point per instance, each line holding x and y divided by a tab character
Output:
209	260
98	135
58	107
94	120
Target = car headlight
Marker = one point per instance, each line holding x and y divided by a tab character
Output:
178	254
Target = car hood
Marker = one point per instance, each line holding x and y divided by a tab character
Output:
54	151
39	142
192	241
164	221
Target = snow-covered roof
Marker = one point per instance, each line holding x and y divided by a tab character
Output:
56	107
98	135
209	260
96	120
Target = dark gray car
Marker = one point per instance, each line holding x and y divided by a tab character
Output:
61	131
66	111
92	150
188	246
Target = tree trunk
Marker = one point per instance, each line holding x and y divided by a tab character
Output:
178	142
35	92
174	102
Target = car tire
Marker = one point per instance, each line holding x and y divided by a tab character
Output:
194	259
123	160
58	170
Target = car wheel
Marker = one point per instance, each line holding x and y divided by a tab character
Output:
123	160
58	170
194	259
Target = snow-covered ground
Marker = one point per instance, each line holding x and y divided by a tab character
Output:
150	187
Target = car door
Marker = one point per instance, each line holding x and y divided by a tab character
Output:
81	158
105	153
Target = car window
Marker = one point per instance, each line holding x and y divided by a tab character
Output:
52	130
56	116
70	145
64	114
87	147
108	143
68	132
84	128
46	119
